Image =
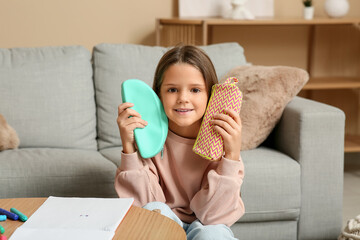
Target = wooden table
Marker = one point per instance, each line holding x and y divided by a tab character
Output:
139	223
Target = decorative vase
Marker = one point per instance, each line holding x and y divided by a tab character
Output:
336	8
308	13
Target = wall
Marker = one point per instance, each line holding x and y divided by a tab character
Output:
31	23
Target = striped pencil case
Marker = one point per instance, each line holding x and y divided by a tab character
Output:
209	143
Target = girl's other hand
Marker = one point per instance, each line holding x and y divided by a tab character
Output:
128	119
228	125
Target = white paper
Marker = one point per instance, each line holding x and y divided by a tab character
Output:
69	218
60	234
220	8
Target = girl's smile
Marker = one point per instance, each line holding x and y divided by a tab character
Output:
184	96
183	111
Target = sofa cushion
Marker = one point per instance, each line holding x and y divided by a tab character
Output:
271	187
47	96
273	230
42	172
113	154
115	63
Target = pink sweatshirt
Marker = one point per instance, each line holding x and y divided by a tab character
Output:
193	187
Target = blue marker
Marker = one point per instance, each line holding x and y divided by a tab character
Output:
22	217
2	218
9	215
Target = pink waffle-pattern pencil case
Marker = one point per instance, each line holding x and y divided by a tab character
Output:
209	143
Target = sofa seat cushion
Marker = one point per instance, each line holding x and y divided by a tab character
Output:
113	154
115	63
42	172
273	230
271	187
47	96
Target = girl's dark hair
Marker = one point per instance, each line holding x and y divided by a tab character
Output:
186	54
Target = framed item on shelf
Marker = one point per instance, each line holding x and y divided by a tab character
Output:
219	8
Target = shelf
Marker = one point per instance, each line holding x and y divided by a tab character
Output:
265	21
180	21
332	83
183	29
352	143
200	31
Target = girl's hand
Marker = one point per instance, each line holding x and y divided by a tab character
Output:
128	119
229	127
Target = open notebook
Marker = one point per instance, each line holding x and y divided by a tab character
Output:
75	218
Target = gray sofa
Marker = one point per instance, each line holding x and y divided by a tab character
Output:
62	101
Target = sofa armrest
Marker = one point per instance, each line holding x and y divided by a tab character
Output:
313	134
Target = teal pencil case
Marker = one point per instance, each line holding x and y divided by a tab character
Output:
151	139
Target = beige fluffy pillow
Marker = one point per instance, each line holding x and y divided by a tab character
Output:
266	92
8	136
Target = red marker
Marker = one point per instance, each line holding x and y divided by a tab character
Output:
3	237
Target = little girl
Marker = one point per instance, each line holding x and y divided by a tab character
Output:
202	196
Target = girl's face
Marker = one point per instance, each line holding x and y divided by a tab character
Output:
184	95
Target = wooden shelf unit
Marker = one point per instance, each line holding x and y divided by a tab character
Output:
184	28
317	83
170	31
352	143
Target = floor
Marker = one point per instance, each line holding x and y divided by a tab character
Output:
351	202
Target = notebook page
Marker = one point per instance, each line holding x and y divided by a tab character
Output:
76	215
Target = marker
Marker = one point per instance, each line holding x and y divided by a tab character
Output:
9	215
2	237
2	230
22	217
2	218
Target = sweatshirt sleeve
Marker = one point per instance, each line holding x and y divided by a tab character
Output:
219	200
138	178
